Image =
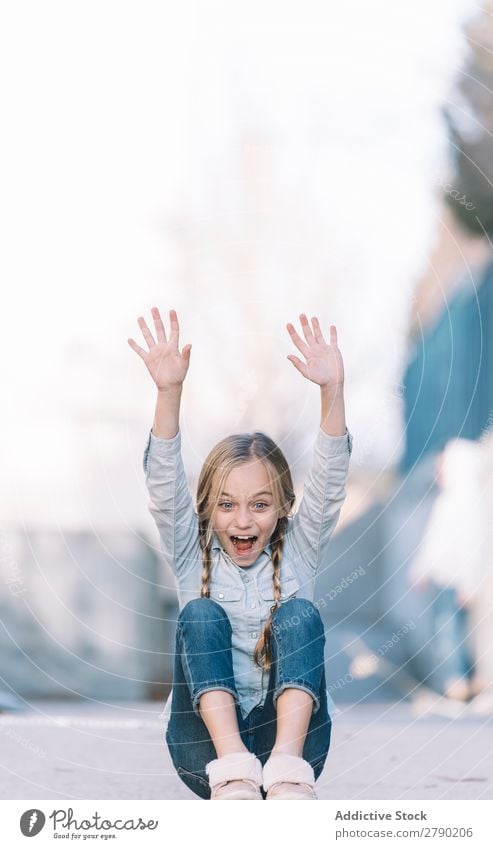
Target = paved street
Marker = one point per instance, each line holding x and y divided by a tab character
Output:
425	750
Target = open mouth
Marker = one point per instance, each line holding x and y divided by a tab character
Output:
243	544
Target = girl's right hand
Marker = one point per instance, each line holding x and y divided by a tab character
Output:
167	367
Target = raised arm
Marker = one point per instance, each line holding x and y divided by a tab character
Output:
170	501
324	491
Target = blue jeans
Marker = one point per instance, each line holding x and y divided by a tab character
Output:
449	651
203	662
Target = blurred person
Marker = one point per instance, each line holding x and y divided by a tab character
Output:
451	564
482	613
249	707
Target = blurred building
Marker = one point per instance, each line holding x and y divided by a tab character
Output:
83	615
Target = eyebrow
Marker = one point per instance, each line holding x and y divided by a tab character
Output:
255	495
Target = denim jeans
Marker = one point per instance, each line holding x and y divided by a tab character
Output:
449	650
203	662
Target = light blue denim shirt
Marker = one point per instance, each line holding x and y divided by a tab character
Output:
247	594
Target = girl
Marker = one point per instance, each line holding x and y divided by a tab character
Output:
249	714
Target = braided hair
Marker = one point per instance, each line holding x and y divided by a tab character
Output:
263	654
228	453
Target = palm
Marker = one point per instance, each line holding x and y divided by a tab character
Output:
166	365
323	361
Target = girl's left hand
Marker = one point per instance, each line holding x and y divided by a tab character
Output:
324	364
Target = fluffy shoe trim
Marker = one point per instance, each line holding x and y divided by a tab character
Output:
234	767
280	768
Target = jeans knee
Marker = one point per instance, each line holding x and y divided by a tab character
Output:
298	614
202	610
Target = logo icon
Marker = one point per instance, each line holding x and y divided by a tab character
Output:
32	822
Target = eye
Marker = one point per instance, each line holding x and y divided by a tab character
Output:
224	504
262	503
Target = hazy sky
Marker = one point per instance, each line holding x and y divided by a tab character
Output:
238	161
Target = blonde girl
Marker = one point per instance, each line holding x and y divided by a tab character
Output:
249	712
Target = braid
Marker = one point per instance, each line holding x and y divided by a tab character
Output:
262	654
205	546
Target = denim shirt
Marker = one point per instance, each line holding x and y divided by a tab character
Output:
246	594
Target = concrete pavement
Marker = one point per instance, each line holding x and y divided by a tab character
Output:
427	749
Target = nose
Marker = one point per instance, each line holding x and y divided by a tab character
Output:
243	519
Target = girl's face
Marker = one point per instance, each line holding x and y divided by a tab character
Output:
246	509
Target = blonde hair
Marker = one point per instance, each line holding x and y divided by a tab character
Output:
230	452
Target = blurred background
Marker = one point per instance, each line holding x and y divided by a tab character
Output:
242	163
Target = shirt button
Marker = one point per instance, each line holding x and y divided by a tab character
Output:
247	579
254	633
253	604
221	595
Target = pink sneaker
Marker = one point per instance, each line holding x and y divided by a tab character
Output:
235	776
288	777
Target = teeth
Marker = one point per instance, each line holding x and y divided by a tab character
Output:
243	537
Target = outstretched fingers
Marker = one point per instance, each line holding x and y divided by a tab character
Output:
317	330
159	330
299	364
140	351
174	328
297	340
158	324
333	334
305	324
146	333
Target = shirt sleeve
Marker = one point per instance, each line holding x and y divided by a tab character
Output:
324	493
170	503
